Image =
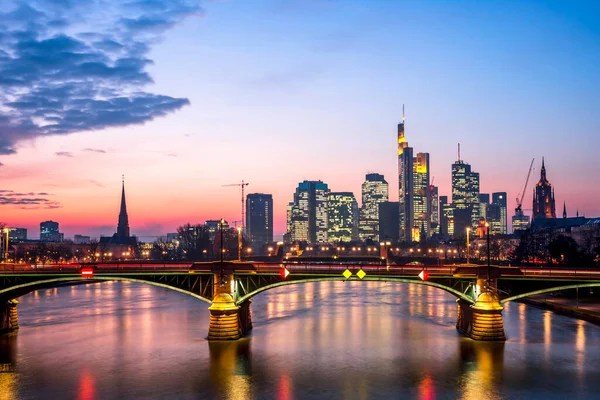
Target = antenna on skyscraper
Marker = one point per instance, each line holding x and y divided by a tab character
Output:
458	151
402	113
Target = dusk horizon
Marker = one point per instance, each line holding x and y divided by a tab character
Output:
184	97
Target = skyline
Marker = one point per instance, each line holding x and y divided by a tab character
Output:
487	76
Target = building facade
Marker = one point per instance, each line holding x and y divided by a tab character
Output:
308	213
543	198
420	197
405	184
49	232
342	209
389	220
465	198
17	235
375	190
259	218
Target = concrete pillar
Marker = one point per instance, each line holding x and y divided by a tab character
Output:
245	317
9	320
482	320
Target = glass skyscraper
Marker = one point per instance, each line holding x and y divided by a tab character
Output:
375	190
259	218
342	212
308	213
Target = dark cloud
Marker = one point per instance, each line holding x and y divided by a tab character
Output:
64	154
88	149
58	80
29	200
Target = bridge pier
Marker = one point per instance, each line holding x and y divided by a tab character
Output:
482	320
228	321
9	320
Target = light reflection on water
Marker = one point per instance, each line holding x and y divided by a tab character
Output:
340	340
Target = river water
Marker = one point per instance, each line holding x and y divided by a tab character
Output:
328	340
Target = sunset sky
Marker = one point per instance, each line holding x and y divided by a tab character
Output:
183	96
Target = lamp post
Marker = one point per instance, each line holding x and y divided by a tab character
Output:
6	230
468	247
239	229
221	222
487	228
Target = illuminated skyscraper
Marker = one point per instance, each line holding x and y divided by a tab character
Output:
308	213
374	191
49	232
420	196
259	218
342	217
405	184
543	198
434	207
499	225
465	197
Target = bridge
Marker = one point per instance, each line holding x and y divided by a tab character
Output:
229	287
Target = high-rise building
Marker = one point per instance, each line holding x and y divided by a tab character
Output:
259	218
499	225
342	210
374	191
445	217
308	213
543	198
420	196
17	235
405	184
49	232
389	220
434	208
465	198
413	190
484	202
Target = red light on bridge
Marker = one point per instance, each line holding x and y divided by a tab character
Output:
424	275
87	272
284	273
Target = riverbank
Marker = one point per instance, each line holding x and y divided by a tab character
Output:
586	312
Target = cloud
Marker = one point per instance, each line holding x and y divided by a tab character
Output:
59	77
94	150
1	164
29	201
96	183
64	154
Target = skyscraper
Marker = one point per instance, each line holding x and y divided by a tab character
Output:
405	184
420	196
259	218
374	191
389	221
543	198
308	213
434	208
501	225
465	197
342	210
49	232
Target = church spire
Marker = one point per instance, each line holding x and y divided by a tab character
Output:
543	177
123	227
564	209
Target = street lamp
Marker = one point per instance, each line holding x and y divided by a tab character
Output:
487	228
221	223
239	229
468	247
6	230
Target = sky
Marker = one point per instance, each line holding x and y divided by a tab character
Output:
182	97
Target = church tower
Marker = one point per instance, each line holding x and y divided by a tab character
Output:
123	226
543	198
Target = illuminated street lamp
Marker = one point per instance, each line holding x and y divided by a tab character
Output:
222	277
239	229
6	230
487	228
468	247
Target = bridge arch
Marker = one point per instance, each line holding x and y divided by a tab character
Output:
450	290
22	289
549	290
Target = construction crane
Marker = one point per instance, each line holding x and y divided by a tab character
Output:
519	209
242	185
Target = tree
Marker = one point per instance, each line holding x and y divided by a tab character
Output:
563	249
194	242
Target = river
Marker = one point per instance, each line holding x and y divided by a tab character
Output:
328	340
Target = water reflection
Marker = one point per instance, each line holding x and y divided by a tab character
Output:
231	368
481	364
8	361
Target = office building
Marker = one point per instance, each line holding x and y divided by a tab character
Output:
17	235
389	220
434	208
465	198
500	223
308	213
259	218
420	197
213	227
81	239
543	198
342	210
375	190
49	232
